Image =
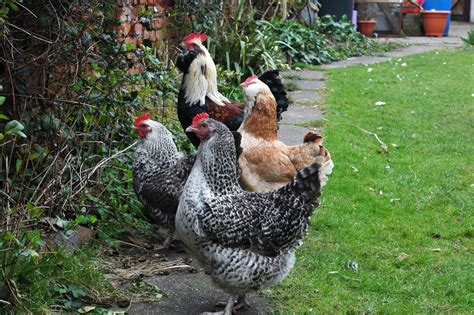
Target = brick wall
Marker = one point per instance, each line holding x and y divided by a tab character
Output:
137	32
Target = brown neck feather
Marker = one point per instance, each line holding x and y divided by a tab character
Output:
262	121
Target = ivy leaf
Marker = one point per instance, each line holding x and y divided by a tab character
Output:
2	100
76	291
15	127
29	253
18	164
3	117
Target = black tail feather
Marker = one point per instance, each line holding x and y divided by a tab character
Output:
307	182
273	80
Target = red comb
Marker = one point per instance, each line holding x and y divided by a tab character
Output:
201	36
248	81
142	118
251	78
198	117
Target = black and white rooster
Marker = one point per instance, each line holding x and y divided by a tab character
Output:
245	241
198	92
159	173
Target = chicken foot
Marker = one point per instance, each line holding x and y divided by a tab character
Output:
241	303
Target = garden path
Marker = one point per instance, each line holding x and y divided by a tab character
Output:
193	293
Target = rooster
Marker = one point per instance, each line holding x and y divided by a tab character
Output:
266	162
159	174
246	241
198	92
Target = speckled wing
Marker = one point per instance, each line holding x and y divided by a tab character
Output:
263	222
160	189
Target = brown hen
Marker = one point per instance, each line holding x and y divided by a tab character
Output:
267	163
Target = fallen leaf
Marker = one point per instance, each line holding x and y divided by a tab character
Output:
403	64
436	250
380	103
333	272
370	70
86	309
402	256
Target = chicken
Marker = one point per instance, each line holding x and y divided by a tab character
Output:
245	241
159	174
266	162
198	92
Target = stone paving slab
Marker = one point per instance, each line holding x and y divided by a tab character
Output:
304	96
192	293
303	75
291	134
300	114
307	85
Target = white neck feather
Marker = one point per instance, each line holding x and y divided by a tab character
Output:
250	94
198	83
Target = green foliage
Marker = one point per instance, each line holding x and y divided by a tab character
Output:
469	40
66	143
322	42
5	7
33	276
405	216
242	45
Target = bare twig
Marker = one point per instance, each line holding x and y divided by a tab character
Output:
101	163
32	35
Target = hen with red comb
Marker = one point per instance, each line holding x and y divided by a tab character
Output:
159	173
141	119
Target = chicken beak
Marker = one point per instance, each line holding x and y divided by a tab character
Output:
191	129
134	128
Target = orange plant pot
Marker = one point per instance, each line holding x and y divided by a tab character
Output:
434	22
366	27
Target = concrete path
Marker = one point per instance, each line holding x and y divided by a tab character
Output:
193	293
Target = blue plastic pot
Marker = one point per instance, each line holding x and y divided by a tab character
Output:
440	5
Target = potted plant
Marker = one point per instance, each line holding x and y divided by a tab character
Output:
434	22
365	19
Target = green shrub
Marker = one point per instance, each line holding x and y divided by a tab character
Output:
68	103
469	40
322	42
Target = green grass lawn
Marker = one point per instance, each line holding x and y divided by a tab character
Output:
406	216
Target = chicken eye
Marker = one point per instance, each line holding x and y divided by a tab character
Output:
204	125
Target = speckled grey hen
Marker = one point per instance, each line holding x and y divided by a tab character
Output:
245	241
159	173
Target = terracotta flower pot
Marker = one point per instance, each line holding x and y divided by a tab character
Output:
434	22
366	27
